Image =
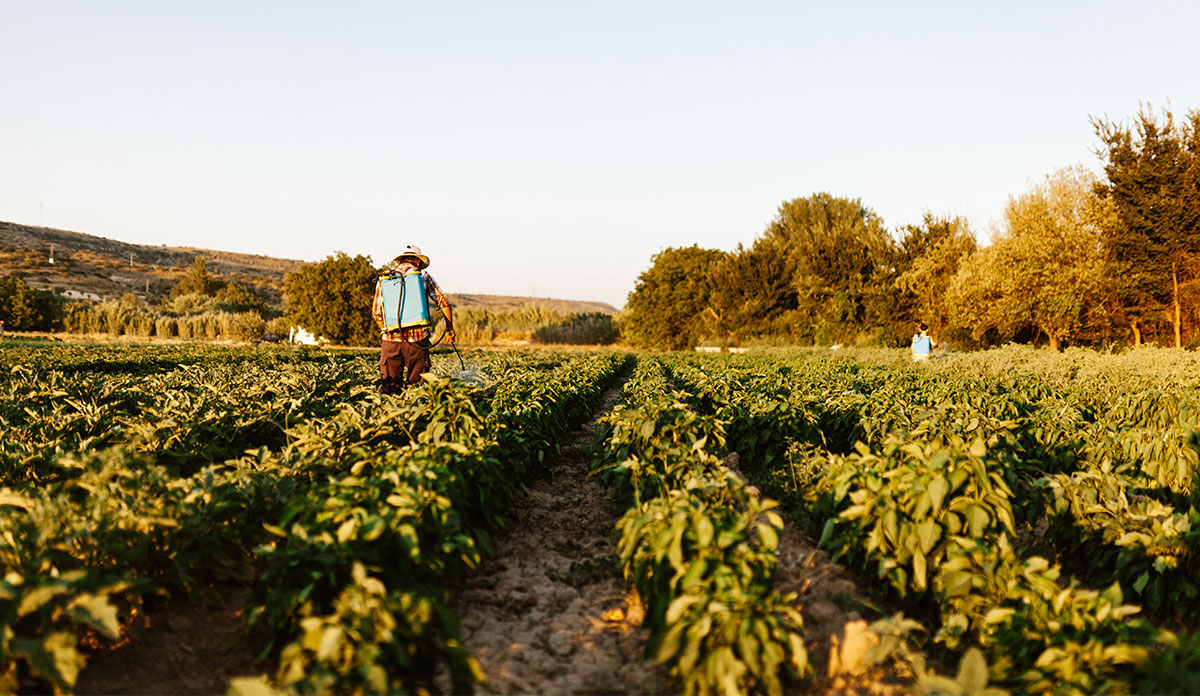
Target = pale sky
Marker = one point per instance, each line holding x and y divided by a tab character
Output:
551	148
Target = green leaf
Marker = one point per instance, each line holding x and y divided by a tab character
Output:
938	488
927	534
972	671
10	499
704	531
889	527
977	520
647	429
96	611
768	536
34	599
918	570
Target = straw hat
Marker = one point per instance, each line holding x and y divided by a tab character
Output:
413	251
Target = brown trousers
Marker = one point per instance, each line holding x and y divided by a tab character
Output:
401	363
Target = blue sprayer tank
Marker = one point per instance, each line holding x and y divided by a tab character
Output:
404	302
921	345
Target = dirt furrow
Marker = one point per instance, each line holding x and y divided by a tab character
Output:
550	613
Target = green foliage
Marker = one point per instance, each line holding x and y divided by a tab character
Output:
332	298
930	256
699	548
237	297
1173	668
197	281
24	309
706	569
1045	268
961	468
1153	171
1146	545
172	467
901	510
667	308
592	328
649	448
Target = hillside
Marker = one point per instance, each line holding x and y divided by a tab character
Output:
85	265
504	303
82	264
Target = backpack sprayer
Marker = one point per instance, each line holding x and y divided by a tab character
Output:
402	311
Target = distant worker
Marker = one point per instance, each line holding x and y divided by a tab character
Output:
1	328
922	344
403	296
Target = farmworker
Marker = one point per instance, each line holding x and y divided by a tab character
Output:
922	344
403	295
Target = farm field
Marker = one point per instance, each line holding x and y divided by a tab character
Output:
1015	520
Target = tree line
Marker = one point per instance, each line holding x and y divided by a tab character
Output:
1080	258
332	298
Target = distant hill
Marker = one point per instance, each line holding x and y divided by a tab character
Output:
92	266
504	303
77	263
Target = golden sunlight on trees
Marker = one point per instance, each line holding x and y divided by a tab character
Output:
931	254
1045	267
1153	253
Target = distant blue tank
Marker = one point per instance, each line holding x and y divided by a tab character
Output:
921	346
404	303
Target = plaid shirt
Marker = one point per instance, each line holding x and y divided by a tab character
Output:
419	333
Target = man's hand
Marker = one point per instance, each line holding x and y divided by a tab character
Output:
450	336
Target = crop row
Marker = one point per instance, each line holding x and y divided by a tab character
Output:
354	591
101	506
1014	518
698	546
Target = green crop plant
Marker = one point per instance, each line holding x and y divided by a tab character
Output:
897	512
652	448
1148	546
705	569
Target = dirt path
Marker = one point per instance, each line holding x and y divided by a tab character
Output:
835	632
181	648
551	615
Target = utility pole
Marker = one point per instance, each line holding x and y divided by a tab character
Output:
51	253
131	259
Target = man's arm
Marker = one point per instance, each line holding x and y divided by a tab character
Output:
437	296
377	305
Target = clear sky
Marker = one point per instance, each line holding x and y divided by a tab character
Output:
551	148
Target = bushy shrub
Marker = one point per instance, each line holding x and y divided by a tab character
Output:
247	326
592	328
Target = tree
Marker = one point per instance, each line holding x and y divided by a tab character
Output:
237	297
197	281
669	305
842	262
1045	268
23	308
332	298
753	292
983	296
1152	252
930	256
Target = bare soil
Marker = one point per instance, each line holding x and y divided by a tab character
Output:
178	648
551	614
835	633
